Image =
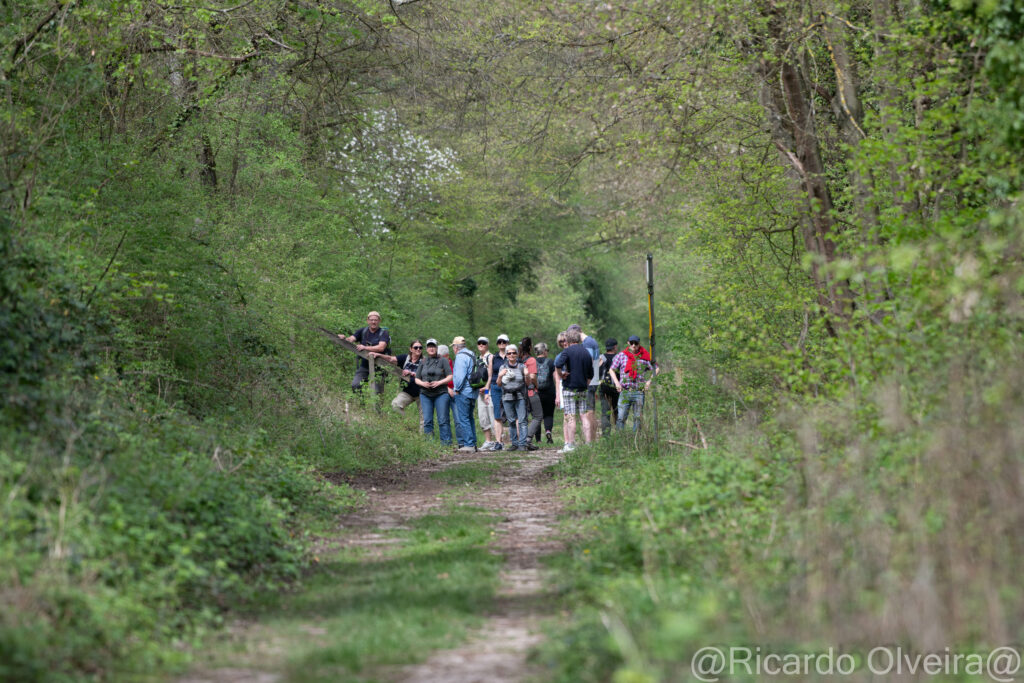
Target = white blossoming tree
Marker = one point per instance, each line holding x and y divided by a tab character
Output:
393	173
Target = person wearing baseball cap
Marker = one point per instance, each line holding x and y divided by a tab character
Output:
432	376
632	372
465	395
609	394
497	362
484	411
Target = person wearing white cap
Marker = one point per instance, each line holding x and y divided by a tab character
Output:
432	376
484	411
497	362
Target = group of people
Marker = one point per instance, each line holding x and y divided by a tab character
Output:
514	390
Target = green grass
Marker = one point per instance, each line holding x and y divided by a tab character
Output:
368	608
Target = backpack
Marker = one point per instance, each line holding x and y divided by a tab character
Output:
607	384
545	376
518	379
478	375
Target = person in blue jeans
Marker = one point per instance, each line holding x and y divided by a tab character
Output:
465	395
632	372
433	376
497	361
512	378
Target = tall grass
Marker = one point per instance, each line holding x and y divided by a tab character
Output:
847	524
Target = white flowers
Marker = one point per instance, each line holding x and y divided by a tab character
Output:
391	171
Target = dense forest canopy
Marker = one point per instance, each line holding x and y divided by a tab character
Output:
831	191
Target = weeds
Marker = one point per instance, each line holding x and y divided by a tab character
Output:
368	608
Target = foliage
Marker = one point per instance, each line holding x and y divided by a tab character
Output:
831	191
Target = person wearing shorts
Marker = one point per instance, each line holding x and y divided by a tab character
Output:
589	417
576	368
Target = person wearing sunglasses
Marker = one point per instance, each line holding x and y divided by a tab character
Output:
514	378
484	410
494	388
432	376
409	391
562	342
632	372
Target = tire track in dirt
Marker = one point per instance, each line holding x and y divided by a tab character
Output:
528	502
523	497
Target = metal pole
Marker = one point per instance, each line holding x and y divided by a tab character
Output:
650	334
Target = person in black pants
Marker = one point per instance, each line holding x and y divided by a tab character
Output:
606	389
546	389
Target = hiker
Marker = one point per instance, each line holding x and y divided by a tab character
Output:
409	391
577	369
372	338
546	389
512	378
484	410
432	376
632	373
442	350
497	361
589	417
532	399
465	395
563	344
609	394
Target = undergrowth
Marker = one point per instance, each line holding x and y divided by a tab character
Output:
846	524
141	500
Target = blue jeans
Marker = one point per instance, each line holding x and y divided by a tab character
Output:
496	401
465	429
515	413
428	404
629	398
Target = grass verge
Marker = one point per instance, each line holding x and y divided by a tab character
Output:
366	609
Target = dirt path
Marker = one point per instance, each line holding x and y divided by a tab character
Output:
528	502
525	500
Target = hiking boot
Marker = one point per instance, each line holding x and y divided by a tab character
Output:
513	447
532	447
550	440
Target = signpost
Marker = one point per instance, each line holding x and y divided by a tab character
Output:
650	335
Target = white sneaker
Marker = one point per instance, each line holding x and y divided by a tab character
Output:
488	445
568	448
468	449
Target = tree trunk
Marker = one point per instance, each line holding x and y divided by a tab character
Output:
786	98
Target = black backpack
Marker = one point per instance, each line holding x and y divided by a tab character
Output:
607	384
478	375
